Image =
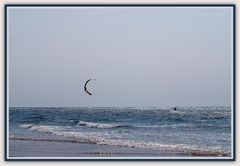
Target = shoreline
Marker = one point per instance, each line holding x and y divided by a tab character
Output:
36	148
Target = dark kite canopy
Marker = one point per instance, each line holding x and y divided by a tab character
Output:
85	87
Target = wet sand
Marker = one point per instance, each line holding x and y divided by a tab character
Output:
29	148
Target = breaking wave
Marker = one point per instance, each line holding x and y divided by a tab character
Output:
94	138
99	125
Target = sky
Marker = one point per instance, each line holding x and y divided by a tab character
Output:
139	56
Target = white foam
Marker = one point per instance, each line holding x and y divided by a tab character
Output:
46	129
194	150
26	125
98	125
42	128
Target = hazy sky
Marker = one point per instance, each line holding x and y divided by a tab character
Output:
139	56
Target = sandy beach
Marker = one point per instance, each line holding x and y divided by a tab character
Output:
28	148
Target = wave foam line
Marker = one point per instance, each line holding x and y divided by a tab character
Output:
99	125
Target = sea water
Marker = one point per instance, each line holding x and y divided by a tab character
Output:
199	131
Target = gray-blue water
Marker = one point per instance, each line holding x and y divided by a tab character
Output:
194	130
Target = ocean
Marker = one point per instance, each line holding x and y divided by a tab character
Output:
197	131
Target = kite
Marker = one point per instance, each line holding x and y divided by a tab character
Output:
85	87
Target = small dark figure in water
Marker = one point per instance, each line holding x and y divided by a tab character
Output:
175	108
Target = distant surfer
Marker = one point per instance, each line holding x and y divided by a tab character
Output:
175	108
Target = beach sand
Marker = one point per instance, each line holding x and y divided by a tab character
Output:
29	148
